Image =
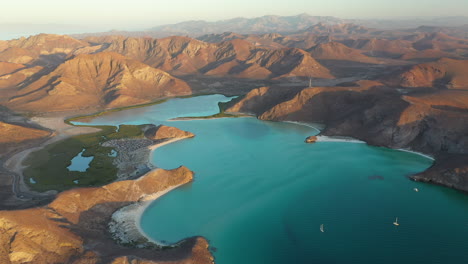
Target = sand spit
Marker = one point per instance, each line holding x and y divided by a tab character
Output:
125	222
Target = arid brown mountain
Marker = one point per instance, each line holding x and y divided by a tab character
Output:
8	67
12	74
444	73
43	49
73	228
380	47
221	37
337	29
428	54
265	24
440	41
11	135
104	80
338	51
236	58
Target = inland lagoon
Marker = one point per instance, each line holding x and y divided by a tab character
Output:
261	195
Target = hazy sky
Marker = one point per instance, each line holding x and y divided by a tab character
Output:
146	13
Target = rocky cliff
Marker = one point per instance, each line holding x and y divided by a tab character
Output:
73	228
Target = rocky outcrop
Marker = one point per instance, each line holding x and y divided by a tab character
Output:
261	99
166	133
73	228
102	80
311	139
448	170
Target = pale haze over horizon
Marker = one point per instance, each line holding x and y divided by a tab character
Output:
103	15
155	12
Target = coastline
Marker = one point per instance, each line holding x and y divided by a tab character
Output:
339	139
418	153
315	126
125	223
125	226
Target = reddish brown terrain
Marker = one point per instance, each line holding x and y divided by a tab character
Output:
443	73
236	58
338	51
73	228
105	80
392	88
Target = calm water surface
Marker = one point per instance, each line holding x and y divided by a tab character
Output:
260	194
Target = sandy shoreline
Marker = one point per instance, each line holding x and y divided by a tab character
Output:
315	126
418	153
339	139
125	224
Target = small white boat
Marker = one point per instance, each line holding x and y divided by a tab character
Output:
321	228
416	189
396	222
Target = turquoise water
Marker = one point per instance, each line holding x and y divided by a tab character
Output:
260	194
80	163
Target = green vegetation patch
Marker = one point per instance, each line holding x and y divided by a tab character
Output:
48	166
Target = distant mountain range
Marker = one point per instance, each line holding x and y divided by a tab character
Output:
284	24
279	24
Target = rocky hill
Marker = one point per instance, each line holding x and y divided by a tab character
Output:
43	49
338	51
235	58
444	73
265	24
73	228
105	80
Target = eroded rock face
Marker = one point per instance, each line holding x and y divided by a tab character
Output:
166	133
73	228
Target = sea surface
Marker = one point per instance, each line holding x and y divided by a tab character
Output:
260	194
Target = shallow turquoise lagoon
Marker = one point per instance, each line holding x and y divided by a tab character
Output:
260	194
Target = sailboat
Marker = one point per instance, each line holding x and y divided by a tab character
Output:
321	228
396	222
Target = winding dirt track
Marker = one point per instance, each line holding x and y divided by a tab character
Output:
15	163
